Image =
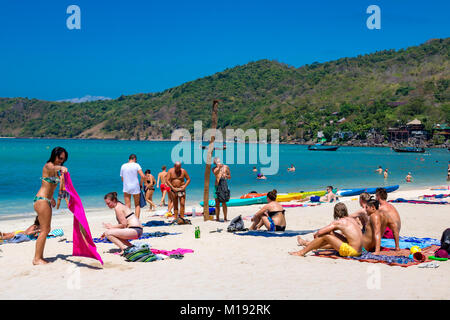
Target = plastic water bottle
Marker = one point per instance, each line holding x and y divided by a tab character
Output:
193	212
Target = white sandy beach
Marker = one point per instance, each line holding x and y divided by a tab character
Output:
223	265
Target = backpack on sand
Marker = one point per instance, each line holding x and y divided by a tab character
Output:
237	224
445	240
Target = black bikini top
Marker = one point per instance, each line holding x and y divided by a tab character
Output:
272	213
129	215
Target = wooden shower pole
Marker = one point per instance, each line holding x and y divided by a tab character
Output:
208	161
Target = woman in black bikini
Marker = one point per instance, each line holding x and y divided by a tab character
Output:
271	215
44	201
149	188
129	226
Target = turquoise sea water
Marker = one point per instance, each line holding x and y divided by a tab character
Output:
94	166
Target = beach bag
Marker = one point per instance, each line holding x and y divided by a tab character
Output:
142	202
445	240
222	191
237	224
181	220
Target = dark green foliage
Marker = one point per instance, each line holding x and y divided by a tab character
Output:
377	90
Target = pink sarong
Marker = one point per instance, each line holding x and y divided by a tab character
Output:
168	253
83	245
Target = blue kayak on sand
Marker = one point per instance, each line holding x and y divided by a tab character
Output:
358	191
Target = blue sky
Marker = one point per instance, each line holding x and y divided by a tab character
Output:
128	47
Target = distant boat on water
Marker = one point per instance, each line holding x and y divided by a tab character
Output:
321	147
409	149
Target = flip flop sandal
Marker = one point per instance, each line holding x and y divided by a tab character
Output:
429	265
176	256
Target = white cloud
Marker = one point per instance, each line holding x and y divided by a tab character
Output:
86	98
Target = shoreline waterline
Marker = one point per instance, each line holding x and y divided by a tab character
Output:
196	204
362	145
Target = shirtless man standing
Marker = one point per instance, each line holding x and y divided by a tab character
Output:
349	243
221	171
175	181
393	218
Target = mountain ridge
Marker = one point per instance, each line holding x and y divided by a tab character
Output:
370	91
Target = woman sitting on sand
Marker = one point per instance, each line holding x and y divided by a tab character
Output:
271	215
31	231
129	226
44	201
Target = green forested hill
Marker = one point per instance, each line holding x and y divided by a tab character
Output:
376	90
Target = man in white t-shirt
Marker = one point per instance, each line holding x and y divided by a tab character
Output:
129	173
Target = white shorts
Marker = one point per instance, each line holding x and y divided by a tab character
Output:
132	189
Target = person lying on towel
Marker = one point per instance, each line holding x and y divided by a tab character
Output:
349	242
32	231
328	197
271	215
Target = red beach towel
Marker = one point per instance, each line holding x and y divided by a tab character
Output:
428	251
83	245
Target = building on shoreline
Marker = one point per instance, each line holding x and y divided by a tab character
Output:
441	130
414	129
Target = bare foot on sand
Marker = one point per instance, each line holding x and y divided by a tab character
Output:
39	261
297	253
302	242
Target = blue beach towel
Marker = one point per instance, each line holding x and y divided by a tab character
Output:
264	233
408	242
18	238
21	237
156	223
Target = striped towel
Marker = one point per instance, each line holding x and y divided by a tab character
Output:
55	233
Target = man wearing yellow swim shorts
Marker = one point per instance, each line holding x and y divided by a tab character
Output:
348	242
345	250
